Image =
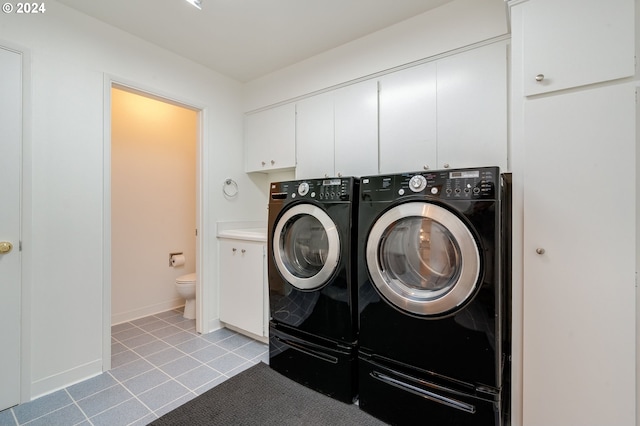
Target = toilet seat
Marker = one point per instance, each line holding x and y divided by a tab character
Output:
186	279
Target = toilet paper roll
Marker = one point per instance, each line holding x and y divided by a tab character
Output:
177	260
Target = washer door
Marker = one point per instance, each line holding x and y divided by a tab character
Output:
423	259
306	246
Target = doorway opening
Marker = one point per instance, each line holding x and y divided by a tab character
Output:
152	205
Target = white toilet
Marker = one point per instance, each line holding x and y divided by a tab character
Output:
186	286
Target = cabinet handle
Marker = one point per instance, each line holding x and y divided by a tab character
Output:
264	164
426	167
540	250
446	165
273	162
234	249
243	251
339	174
539	77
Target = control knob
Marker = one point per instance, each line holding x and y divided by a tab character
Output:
417	183
303	189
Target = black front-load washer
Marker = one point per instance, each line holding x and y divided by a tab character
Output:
311	270
433	323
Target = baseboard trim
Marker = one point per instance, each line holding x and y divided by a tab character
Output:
146	311
66	378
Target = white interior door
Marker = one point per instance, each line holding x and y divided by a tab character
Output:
10	160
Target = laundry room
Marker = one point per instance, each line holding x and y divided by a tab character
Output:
441	100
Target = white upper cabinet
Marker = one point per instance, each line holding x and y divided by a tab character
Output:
356	129
315	137
450	113
571	43
337	132
408	135
270	139
472	108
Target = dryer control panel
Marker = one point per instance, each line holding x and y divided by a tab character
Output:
459	184
321	190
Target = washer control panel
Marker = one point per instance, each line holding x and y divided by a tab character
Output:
460	184
323	190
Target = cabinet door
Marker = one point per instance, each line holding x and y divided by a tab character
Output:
408	120
270	139
315	137
356	129
569	43
579	259
241	285
472	108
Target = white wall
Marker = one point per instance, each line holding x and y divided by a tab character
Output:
63	227
452	26
153	202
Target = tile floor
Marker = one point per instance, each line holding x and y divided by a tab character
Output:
158	363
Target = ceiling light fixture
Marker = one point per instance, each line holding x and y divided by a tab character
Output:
196	3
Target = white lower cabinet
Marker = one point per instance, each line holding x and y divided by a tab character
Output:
242	285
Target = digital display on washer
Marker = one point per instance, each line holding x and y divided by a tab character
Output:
329	182
464	174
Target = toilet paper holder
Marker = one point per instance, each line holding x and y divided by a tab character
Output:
171	257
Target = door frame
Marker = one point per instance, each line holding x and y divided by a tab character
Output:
202	249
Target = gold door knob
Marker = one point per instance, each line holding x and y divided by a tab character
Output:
5	247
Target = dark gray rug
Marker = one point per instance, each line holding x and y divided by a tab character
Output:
261	396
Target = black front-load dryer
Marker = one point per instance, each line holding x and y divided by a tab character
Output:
312	294
431	293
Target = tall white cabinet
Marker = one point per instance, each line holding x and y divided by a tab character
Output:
579	258
575	191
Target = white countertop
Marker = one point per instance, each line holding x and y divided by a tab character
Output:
250	234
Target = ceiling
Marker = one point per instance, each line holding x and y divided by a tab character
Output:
246	39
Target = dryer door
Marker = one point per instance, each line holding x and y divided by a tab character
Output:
306	246
423	259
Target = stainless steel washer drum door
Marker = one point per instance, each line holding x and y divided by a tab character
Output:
306	246
423	258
